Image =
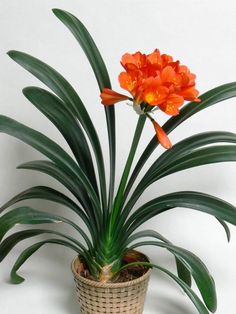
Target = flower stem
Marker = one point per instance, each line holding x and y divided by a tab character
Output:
118	200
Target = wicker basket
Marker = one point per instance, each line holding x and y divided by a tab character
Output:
98	298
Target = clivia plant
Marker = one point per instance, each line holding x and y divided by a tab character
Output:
109	231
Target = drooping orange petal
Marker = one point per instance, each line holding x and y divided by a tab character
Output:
161	136
110	97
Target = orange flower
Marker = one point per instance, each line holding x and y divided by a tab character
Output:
157	80
154	93
154	80
172	104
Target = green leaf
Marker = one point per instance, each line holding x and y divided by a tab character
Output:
50	149
46	193
29	216
193	297
204	156
197	268
15	278
57	112
187	199
208	99
56	172
186	146
183	271
73	185
57	83
10	242
95	59
88	45
173	157
190	293
226	228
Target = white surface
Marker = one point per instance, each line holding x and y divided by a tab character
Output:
199	33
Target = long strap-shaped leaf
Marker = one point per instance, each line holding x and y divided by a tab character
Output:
186	154
187	199
89	47
198	270
204	156
182	270
10	242
49	194
57	83
208	99
190	293
74	186
50	149
15	278
29	216
56	111
226	228
187	146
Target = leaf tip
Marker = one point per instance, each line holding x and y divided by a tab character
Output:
57	11
16	279
10	53
26	90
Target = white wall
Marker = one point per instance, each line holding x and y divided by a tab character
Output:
199	33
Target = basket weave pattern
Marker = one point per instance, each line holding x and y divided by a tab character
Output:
126	298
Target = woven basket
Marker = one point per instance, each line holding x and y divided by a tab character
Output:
98	298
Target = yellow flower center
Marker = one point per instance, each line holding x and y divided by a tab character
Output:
149	97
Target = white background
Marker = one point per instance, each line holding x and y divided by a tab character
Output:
199	33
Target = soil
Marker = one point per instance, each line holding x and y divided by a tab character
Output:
127	274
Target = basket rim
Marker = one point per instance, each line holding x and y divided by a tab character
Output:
107	285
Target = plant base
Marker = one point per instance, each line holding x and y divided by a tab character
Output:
98	298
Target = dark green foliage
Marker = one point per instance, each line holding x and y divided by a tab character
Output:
110	225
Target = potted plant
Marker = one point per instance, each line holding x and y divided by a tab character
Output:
110	275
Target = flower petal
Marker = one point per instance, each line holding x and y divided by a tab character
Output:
129	81
190	93
161	136
154	93
172	104
110	97
155	58
168	74
137	59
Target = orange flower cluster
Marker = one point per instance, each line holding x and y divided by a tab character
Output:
155	80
